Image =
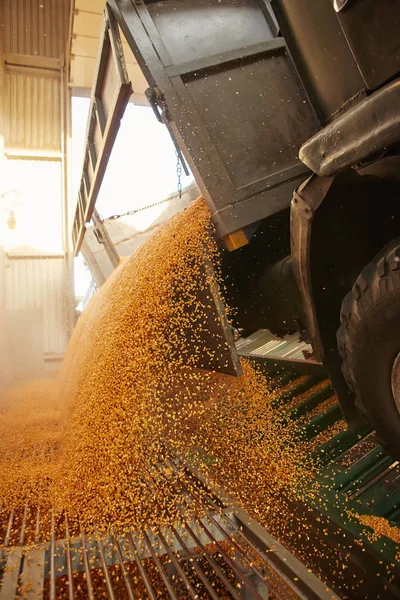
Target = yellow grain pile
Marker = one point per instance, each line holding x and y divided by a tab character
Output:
30	433
380	527
129	395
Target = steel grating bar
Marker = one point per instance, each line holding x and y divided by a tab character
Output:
69	563
203	556
89	582
52	560
196	567
104	567
178	567
37	529
213	564
199	544
142	570
32	574
125	574
11	574
275	587
234	566
154	556
6	538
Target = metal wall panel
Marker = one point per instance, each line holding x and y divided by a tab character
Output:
33	109
36	27
86	29
33	113
52	367
39	283
35	35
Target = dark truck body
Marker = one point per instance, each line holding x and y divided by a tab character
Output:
288	115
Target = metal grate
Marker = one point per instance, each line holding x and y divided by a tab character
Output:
263	343
221	554
284	353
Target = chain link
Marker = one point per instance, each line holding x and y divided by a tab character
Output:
179	173
136	210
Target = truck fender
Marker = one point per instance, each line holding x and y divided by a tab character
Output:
337	225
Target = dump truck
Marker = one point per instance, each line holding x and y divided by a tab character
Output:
287	112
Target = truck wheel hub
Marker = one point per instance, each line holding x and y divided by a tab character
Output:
396	381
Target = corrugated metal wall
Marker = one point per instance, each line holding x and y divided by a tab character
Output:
39	283
32	104
86	26
32	120
34	49
36	27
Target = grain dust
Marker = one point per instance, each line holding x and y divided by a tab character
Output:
131	392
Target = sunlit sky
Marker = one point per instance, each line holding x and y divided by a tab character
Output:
141	170
142	166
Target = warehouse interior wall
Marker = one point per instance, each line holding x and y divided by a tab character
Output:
35	258
85	31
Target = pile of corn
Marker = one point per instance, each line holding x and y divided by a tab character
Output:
133	392
31	417
380	527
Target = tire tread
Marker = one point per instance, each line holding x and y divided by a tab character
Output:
378	279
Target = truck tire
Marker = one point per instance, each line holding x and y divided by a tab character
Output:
369	343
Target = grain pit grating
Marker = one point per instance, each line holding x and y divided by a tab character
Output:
223	554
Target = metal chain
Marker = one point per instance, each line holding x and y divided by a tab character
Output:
136	210
179	173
